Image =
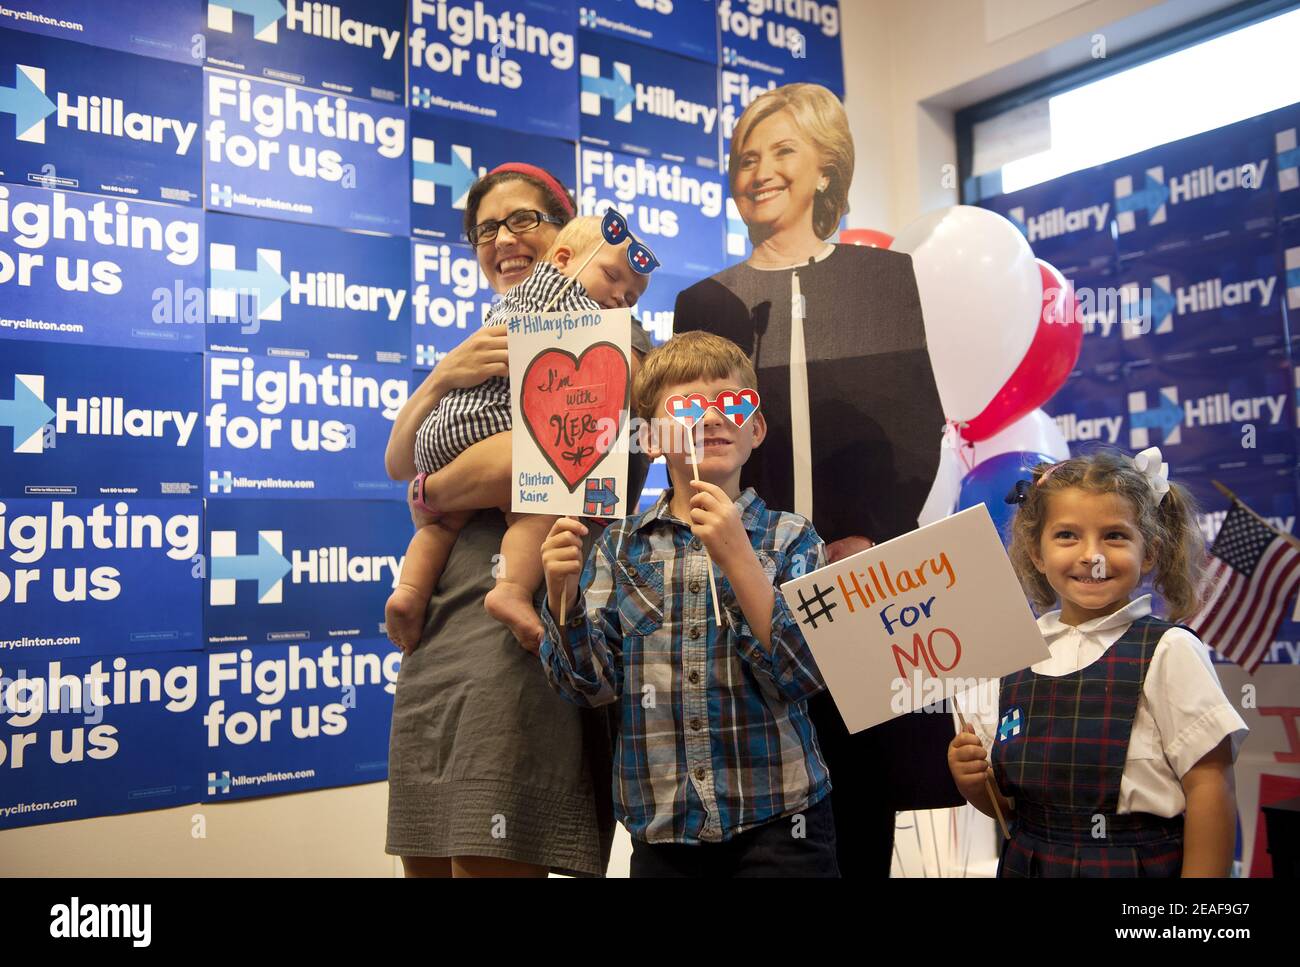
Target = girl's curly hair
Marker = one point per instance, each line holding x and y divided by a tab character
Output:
1170	532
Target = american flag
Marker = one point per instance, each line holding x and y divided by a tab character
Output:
1253	572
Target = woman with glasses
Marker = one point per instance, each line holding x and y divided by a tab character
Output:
490	772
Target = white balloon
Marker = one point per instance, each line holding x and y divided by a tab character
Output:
981	294
1034	432
946	487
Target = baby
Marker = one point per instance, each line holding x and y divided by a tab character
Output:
466	419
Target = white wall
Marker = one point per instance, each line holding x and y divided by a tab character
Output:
908	64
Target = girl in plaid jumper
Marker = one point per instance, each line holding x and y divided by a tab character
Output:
465	419
1112	757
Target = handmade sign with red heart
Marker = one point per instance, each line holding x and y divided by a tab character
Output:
574	407
736	405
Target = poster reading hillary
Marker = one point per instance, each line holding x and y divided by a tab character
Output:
570	386
98	121
346	47
916	619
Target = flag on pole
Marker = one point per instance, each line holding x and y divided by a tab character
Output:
1253	572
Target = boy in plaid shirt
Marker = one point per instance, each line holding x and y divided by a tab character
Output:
717	770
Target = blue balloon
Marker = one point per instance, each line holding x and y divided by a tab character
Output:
991	480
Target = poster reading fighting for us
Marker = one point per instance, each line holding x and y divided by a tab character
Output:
348	46
98	736
448	156
79	421
302	156
507	62
675	209
791	40
307	570
108	272
646	102
103	576
738	90
450	298
286	290
296	428
283	718
99	121
171	31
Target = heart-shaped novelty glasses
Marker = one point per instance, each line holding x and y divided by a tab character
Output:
736	405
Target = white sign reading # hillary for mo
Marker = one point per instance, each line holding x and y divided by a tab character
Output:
916	619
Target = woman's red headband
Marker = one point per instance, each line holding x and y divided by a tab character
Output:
542	175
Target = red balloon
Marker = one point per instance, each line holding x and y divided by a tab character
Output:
1046	366
866	236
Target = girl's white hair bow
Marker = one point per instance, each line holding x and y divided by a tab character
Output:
1149	464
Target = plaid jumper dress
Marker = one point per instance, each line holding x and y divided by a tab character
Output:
1059	752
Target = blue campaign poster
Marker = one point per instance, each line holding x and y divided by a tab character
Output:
1195	190
511	63
1212	298
1207	413
686	27
171	30
675	209
1288	264
287	290
105	576
306	570
347	46
642	101
79	421
1089	409
790	41
735	231
1099	306
109	272
447	156
295	428
656	482
450	298
1067	221
304	156
738	91
1285	127
654	310
308	716
98	736
97	120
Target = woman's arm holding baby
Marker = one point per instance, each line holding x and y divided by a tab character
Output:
478	478
480	356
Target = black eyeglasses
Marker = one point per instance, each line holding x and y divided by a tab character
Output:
524	220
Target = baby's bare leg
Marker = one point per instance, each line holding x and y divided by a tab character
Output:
478	478
426	556
519	577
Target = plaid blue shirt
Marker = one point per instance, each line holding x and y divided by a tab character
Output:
715	735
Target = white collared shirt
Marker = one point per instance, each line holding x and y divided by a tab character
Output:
1181	716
